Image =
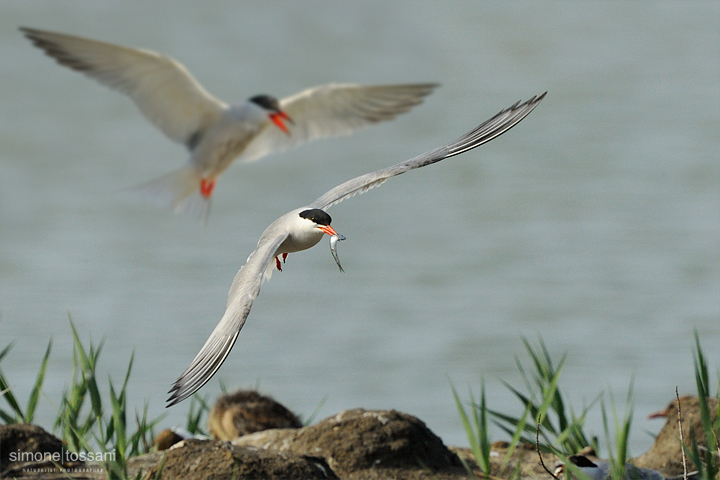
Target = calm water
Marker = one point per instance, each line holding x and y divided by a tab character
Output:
595	223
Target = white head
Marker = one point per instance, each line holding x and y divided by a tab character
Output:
306	229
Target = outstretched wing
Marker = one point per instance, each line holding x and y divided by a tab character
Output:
243	292
162	88
336	109
486	131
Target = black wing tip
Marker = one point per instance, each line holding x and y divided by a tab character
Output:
33	34
534	100
177	397
173	401
429	85
528	104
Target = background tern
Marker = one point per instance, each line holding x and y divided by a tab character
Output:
214	132
303	228
602	470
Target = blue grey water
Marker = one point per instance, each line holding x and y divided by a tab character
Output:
594	223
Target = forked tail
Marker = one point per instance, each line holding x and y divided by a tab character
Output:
178	191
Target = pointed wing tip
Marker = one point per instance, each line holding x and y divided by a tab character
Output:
431	85
175	395
529	105
537	98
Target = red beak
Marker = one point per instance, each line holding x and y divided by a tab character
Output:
661	414
328	229
278	117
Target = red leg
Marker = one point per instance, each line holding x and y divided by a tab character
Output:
206	187
277	264
285	256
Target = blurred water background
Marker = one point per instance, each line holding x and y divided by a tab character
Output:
595	223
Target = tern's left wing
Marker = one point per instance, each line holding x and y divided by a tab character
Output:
486	131
162	88
243	292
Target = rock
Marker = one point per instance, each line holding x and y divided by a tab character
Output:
665	455
208	459
247	411
22	443
366	444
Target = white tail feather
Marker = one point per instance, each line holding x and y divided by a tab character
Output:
178	191
195	206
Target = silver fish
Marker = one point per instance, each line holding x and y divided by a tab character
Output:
333	249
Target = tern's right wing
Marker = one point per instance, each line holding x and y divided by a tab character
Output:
483	133
243	292
336	109
162	88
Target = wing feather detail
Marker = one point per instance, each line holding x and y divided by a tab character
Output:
162	88
483	133
243	292
336	109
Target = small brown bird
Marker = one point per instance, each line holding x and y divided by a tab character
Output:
167	438
247	411
666	453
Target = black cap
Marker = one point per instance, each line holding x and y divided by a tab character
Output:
316	215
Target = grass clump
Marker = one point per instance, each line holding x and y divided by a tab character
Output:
561	430
84	422
706	459
16	413
619	457
477	430
550	423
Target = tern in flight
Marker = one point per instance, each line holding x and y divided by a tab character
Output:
303	228
214	132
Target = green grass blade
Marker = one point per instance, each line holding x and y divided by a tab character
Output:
469	432
6	350
6	417
119	422
516	435
315	412
199	407
11	401
35	392
87	367
481	427
708	460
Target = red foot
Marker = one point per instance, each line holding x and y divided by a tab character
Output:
277	264
206	187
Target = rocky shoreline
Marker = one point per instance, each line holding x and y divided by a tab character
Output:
353	444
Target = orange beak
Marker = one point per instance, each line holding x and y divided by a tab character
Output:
328	229
278	117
